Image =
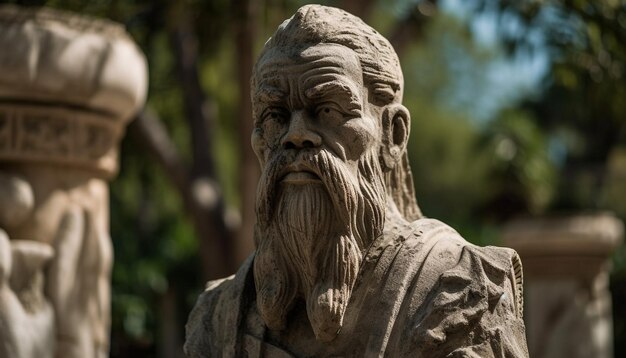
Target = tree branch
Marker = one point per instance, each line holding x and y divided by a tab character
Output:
149	131
201	196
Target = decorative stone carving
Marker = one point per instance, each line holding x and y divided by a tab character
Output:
568	303
68	86
345	263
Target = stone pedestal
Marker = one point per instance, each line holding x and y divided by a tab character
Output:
68	86
566	270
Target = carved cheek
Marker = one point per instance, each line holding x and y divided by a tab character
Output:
259	145
358	138
266	139
273	131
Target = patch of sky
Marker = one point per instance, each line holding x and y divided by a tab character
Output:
400	8
484	89
557	150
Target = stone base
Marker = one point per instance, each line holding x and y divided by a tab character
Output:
566	266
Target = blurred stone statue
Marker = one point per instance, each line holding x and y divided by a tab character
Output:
345	263
68	86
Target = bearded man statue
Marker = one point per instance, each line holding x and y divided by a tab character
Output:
345	264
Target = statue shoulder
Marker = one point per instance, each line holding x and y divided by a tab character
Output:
431	233
476	292
213	323
453	255
202	335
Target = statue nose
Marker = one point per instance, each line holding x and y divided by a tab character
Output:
299	135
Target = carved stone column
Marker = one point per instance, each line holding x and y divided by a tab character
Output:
68	86
566	271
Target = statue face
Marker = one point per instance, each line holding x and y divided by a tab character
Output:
321	196
313	99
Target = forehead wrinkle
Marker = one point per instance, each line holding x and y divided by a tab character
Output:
282	64
289	60
323	70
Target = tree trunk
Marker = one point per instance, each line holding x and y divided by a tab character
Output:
170	345
216	240
246	14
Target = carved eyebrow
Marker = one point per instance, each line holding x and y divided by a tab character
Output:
267	93
331	88
349	98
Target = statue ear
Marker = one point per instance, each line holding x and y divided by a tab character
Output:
396	124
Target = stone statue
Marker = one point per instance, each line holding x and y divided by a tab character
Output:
345	264
68	86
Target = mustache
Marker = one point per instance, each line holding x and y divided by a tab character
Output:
334	174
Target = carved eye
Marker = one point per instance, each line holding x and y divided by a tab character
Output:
329	112
276	114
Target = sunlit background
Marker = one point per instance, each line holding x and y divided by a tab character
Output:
518	108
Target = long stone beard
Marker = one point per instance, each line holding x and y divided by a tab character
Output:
311	238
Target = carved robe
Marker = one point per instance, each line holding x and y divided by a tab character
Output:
421	292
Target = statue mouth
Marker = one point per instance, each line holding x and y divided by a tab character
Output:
302	177
299	175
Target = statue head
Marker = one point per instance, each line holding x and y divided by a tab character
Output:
331	135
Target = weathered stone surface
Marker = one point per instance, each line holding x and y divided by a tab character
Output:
567	262
345	263
68	86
